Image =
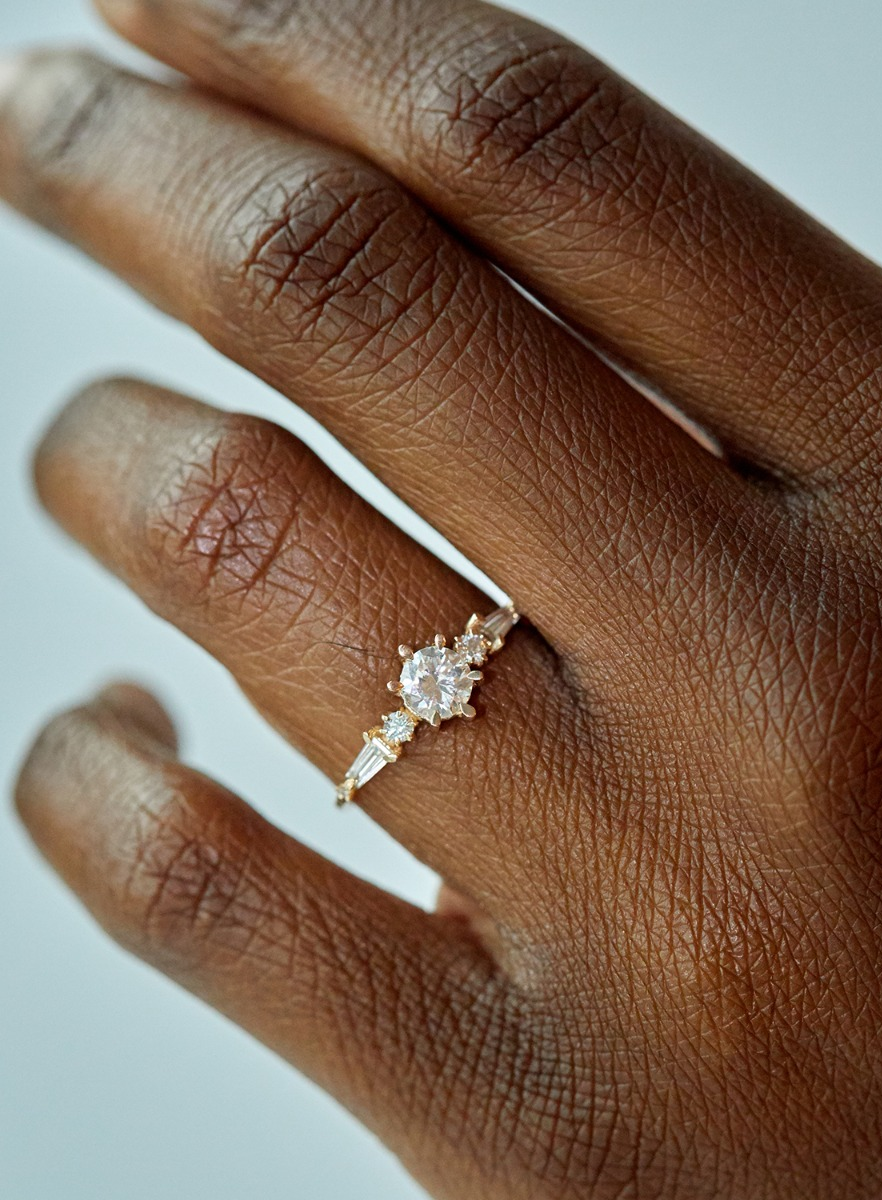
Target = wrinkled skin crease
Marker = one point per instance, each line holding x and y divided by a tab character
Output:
654	967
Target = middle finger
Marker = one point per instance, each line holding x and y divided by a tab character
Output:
315	270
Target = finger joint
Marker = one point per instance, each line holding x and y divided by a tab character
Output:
533	110
220	527
338	263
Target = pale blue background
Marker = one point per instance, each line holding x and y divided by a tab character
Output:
114	1085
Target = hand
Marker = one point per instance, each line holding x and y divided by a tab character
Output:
655	967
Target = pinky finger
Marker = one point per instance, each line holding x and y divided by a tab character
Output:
389	1008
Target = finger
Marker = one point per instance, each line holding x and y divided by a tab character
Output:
315	271
233	530
388	1008
735	303
142	714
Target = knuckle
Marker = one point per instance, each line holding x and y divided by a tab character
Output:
533	110
306	239
65	96
498	102
340	257
220	525
186	885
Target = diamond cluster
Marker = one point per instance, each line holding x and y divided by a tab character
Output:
435	684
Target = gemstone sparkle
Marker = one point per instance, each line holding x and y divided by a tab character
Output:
436	683
398	727
372	757
498	625
472	646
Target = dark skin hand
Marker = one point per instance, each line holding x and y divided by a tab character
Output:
655	968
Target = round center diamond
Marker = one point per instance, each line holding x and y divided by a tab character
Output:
435	683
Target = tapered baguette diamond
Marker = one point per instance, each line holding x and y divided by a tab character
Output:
372	757
498	625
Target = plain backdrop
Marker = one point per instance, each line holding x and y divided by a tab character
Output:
115	1085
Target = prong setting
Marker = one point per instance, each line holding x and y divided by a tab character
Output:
435	684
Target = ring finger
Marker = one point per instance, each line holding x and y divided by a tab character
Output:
236	532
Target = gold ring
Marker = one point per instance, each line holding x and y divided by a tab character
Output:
435	684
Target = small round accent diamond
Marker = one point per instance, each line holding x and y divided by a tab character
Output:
398	727
472	646
436	683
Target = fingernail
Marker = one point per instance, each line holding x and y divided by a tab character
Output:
141	711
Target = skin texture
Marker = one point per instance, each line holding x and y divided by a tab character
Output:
654	967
